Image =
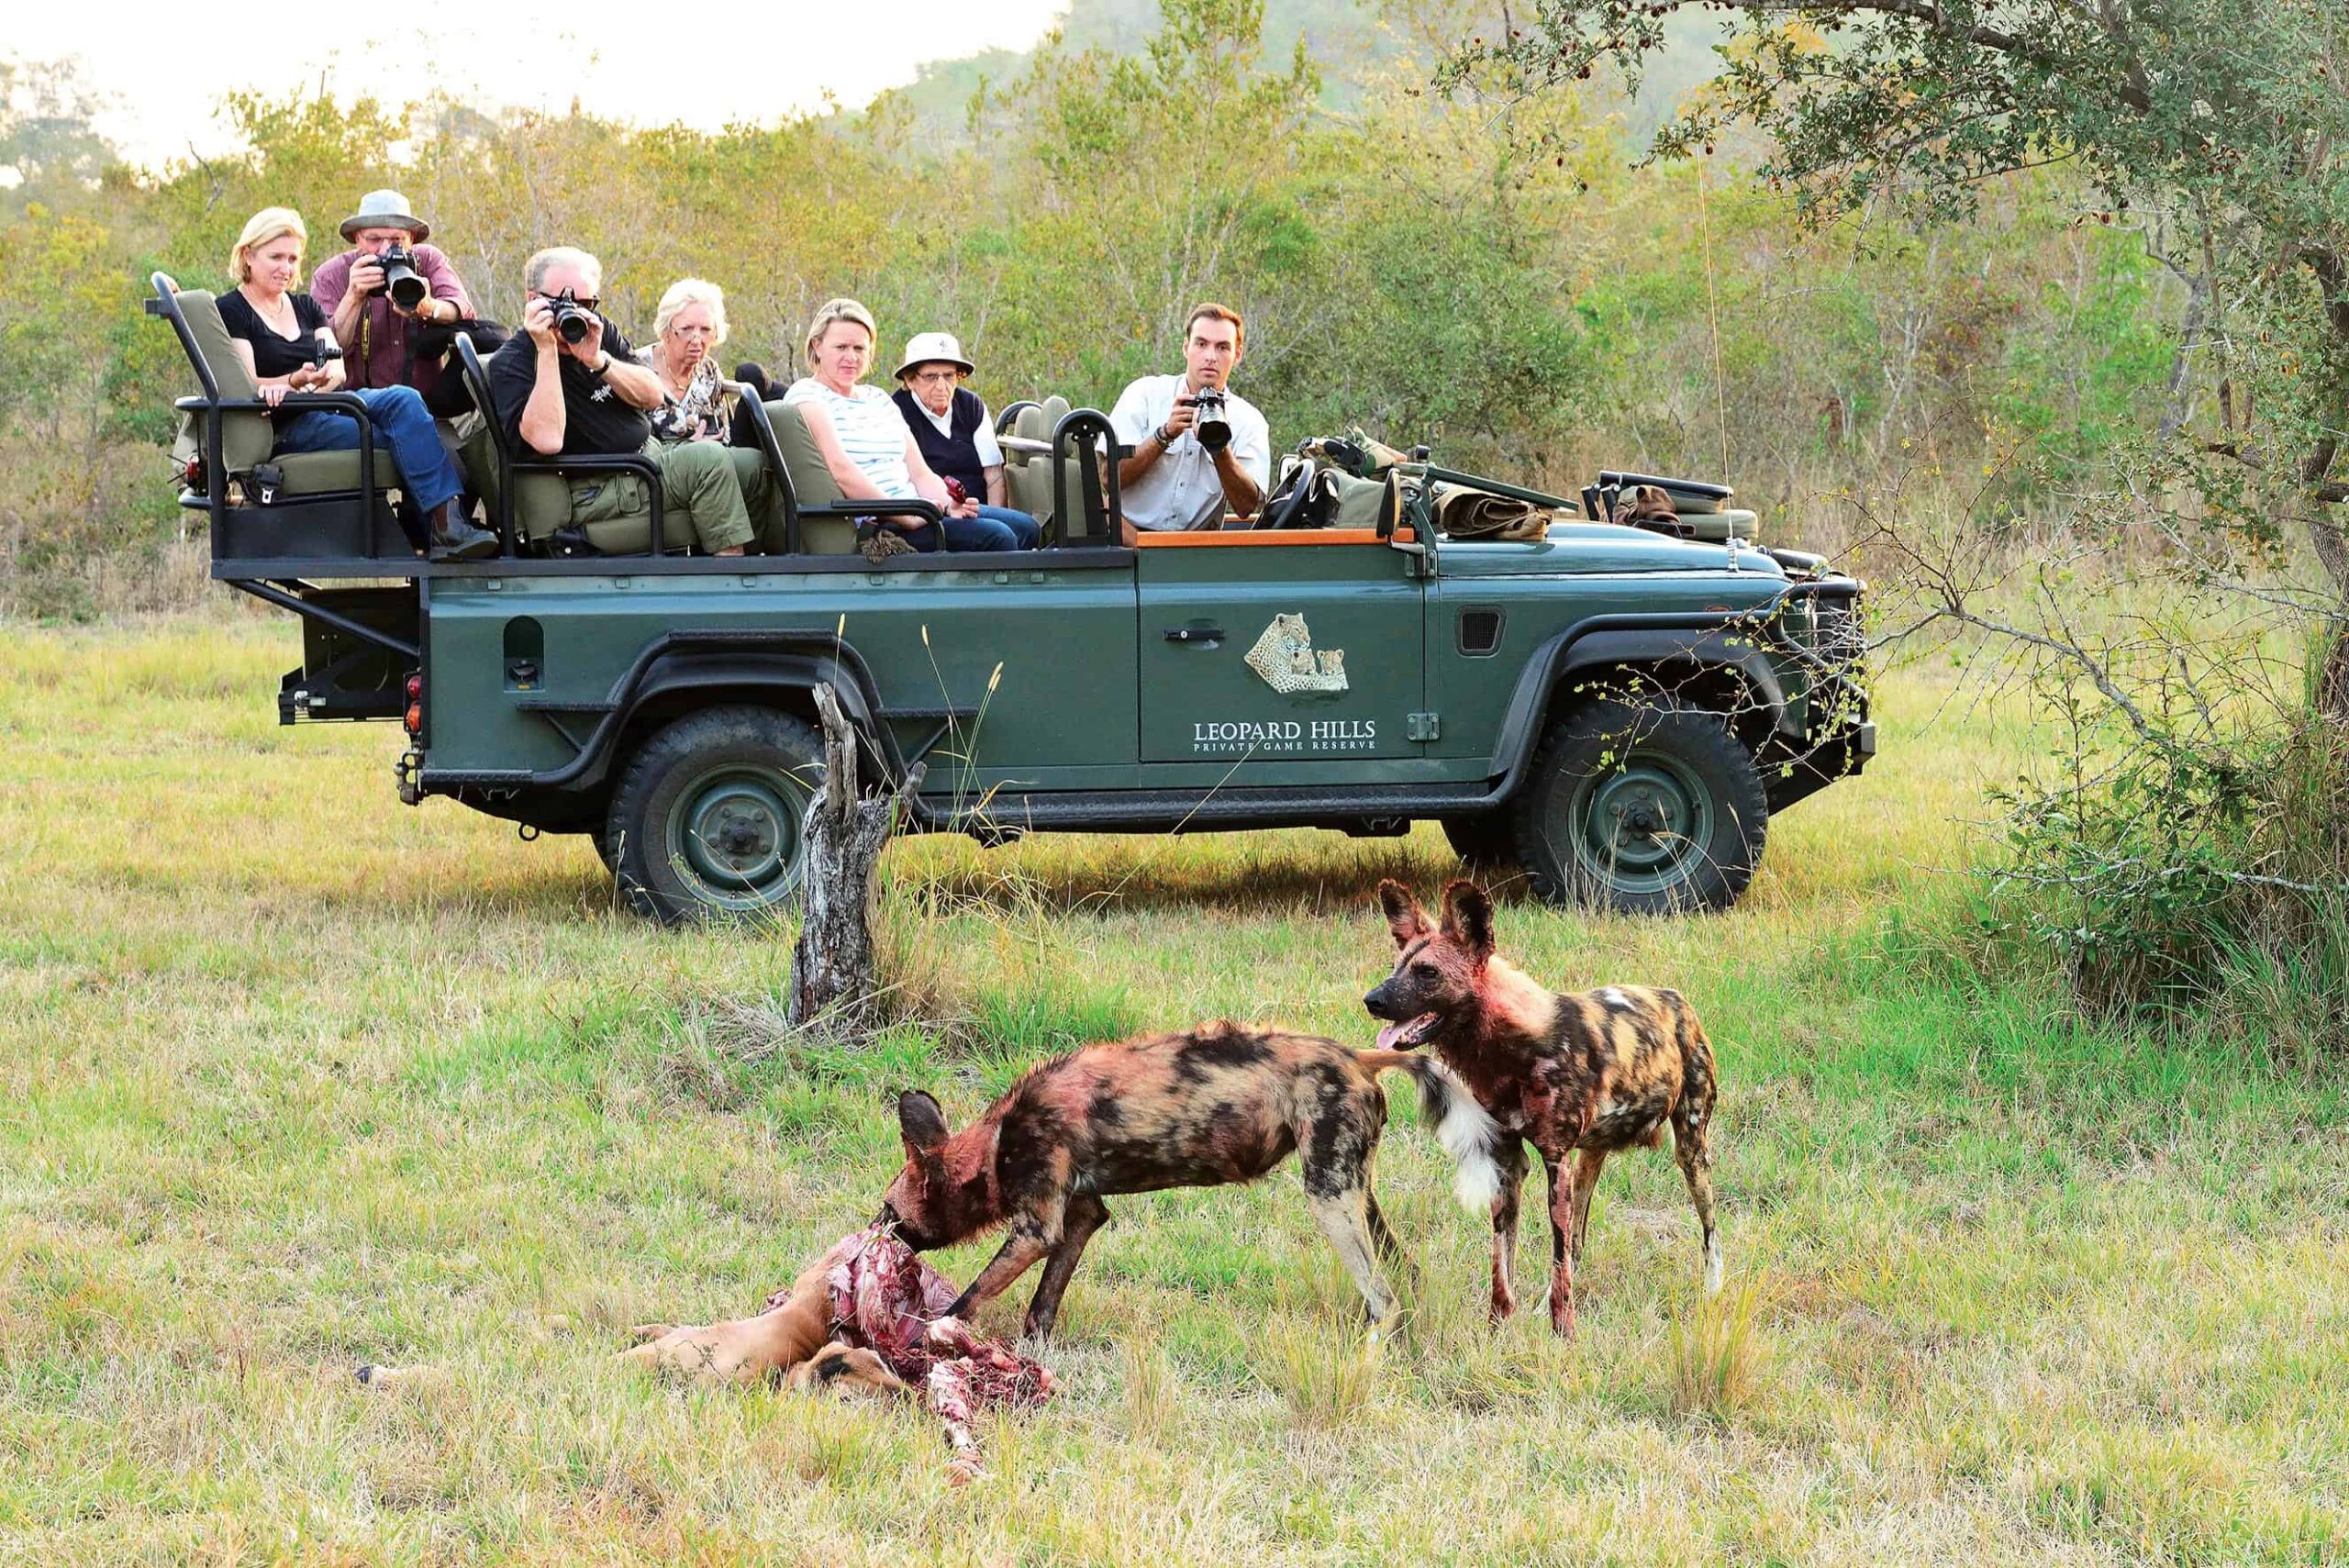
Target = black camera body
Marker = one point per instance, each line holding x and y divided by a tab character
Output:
1214	426
572	320
321	351
401	283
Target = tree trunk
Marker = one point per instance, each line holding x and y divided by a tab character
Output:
833	979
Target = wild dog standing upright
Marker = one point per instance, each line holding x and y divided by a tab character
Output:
1593	1072
1221	1103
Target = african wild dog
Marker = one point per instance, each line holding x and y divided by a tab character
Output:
1599	1072
1221	1103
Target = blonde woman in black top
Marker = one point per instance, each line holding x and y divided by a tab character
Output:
279	333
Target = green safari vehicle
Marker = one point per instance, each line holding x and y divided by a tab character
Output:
1614	711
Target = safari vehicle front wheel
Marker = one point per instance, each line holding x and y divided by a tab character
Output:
708	815
1646	808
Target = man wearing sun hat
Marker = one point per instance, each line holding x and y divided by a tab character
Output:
382	344
953	430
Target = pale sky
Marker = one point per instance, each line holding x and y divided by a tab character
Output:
163	68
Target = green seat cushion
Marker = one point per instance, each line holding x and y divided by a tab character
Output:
1031	478
245	437
811	485
315	473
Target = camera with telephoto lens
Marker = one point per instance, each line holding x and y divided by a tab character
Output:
400	281
1214	427
572	320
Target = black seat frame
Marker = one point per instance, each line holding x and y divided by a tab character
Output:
251	541
510	463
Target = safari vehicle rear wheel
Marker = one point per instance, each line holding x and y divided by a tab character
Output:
710	812
1647	807
1485	842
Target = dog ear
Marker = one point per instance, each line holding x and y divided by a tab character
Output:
1468	918
1404	915
923	1123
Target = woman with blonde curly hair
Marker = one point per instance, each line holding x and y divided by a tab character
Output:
688	328
280	334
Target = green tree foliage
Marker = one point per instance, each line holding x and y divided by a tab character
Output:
2196	814
2221	126
1507	287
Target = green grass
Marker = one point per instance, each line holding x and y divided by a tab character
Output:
293	1077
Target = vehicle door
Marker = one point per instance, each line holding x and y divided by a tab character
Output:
1274	648
994	670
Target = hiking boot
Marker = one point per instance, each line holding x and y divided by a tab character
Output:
454	539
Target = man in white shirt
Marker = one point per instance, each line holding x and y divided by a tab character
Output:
1174	481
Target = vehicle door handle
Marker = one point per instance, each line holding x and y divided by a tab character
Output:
1195	634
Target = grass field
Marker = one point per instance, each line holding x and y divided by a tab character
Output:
293	1077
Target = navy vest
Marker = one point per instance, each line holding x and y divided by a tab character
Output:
953	456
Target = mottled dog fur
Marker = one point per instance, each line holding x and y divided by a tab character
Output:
1586	1074
1218	1104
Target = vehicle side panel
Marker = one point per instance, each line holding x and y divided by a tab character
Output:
932	640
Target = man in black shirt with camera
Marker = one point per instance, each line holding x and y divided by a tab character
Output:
569	384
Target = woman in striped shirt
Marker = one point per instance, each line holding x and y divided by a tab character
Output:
865	442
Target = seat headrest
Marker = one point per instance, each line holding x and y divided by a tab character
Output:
1029	425
246	438
202	310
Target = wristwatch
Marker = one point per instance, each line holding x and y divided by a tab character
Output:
1165	442
604	362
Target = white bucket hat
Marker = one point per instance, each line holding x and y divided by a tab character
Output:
925	347
384	209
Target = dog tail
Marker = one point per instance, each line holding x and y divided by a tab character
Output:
1460	1123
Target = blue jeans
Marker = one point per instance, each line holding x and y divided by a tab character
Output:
427	472
995	527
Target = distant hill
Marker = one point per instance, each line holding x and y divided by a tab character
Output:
1346	39
1343	37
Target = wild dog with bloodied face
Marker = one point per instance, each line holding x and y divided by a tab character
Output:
1587	1073
1218	1104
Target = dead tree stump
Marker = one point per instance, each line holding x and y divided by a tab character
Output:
833	980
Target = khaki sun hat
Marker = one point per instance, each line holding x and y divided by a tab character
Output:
925	348
384	209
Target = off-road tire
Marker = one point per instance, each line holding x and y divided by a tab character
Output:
1687	811
709	815
1485	842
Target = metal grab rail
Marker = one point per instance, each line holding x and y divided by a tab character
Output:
1083	434
1478	482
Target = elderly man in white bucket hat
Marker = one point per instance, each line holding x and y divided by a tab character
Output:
376	320
953	429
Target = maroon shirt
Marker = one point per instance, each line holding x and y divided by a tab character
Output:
377	353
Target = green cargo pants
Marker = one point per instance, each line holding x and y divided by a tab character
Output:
707	483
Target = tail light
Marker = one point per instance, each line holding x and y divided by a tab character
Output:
191	473
414	719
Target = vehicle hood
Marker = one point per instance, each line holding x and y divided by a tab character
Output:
1576	549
